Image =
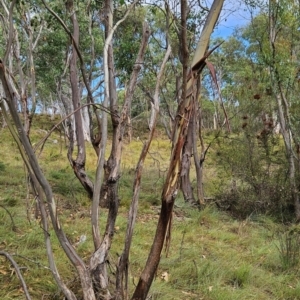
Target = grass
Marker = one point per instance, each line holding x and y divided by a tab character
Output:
211	257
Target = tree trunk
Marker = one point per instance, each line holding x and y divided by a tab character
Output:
186	185
122	270
77	164
172	181
282	106
287	137
33	166
112	167
198	161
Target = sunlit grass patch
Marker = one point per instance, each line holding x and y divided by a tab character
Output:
211	256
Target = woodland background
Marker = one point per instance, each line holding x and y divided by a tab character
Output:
126	127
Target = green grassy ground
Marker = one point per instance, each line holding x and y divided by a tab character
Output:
211	257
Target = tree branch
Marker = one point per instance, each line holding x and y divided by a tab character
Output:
14	227
15	265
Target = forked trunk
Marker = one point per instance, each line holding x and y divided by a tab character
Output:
180	132
109	191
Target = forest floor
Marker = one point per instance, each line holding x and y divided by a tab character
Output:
212	256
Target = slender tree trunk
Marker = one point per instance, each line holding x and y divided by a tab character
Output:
83	272
287	137
199	161
77	164
122	270
102	245
37	189
186	185
172	181
282	106
169	193
13	40
184	50
112	167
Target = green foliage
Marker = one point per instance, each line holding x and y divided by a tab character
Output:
257	182
2	166
289	248
52	50
127	41
240	276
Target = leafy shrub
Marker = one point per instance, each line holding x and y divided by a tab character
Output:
257	177
268	198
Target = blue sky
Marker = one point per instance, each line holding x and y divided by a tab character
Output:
234	14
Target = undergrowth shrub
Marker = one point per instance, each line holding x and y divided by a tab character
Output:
248	201
10	201
257	179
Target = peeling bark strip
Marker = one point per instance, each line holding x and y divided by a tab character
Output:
179	137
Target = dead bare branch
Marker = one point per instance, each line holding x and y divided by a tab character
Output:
17	268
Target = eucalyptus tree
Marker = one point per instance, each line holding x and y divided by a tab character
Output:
94	278
277	49
284	17
181	29
55	50
172	183
257	71
248	153
21	30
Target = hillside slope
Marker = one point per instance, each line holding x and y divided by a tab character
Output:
211	257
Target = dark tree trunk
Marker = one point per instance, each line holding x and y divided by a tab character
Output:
122	270
168	197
